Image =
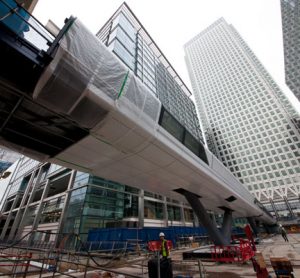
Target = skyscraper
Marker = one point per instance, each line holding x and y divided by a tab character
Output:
248	121
124	34
290	14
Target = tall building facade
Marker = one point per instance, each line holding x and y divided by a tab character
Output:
248	122
290	14
128	39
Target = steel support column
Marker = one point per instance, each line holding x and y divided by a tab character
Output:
204	218
253	226
227	225
274	208
289	206
266	228
196	220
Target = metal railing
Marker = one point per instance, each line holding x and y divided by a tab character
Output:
28	30
55	260
24	25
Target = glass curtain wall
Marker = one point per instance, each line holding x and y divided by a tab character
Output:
98	203
128	42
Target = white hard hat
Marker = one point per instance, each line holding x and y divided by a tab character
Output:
161	234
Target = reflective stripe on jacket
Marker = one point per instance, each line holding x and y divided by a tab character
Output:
164	248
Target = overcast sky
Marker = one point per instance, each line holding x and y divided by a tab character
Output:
171	23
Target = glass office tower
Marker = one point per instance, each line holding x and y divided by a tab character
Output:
248	121
51	198
290	14
128	39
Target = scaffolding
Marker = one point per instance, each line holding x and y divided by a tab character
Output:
23	258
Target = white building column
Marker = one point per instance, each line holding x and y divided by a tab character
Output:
5	227
20	215
141	205
39	210
30	199
165	212
182	217
66	205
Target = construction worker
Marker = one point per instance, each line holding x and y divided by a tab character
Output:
164	249
283	233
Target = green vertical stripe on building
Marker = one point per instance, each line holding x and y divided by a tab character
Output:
123	85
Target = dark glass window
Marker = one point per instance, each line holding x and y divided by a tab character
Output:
24	183
174	213
171	125
188	215
131	206
191	143
202	154
153	210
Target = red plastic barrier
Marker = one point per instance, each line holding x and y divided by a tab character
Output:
15	260
155	245
250	237
246	250
232	253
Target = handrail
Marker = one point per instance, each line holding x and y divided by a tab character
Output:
18	11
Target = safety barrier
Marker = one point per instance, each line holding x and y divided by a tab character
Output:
232	253
15	263
155	245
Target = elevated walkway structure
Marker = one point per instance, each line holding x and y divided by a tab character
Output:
74	103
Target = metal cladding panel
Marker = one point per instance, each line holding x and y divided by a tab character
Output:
140	163
163	166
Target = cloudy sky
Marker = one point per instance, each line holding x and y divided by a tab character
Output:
171	23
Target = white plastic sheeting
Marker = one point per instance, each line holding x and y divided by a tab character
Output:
82	71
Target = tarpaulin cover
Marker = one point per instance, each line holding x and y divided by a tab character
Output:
144	234
82	73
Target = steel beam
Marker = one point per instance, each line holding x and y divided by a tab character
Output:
253	226
204	218
289	206
227	225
